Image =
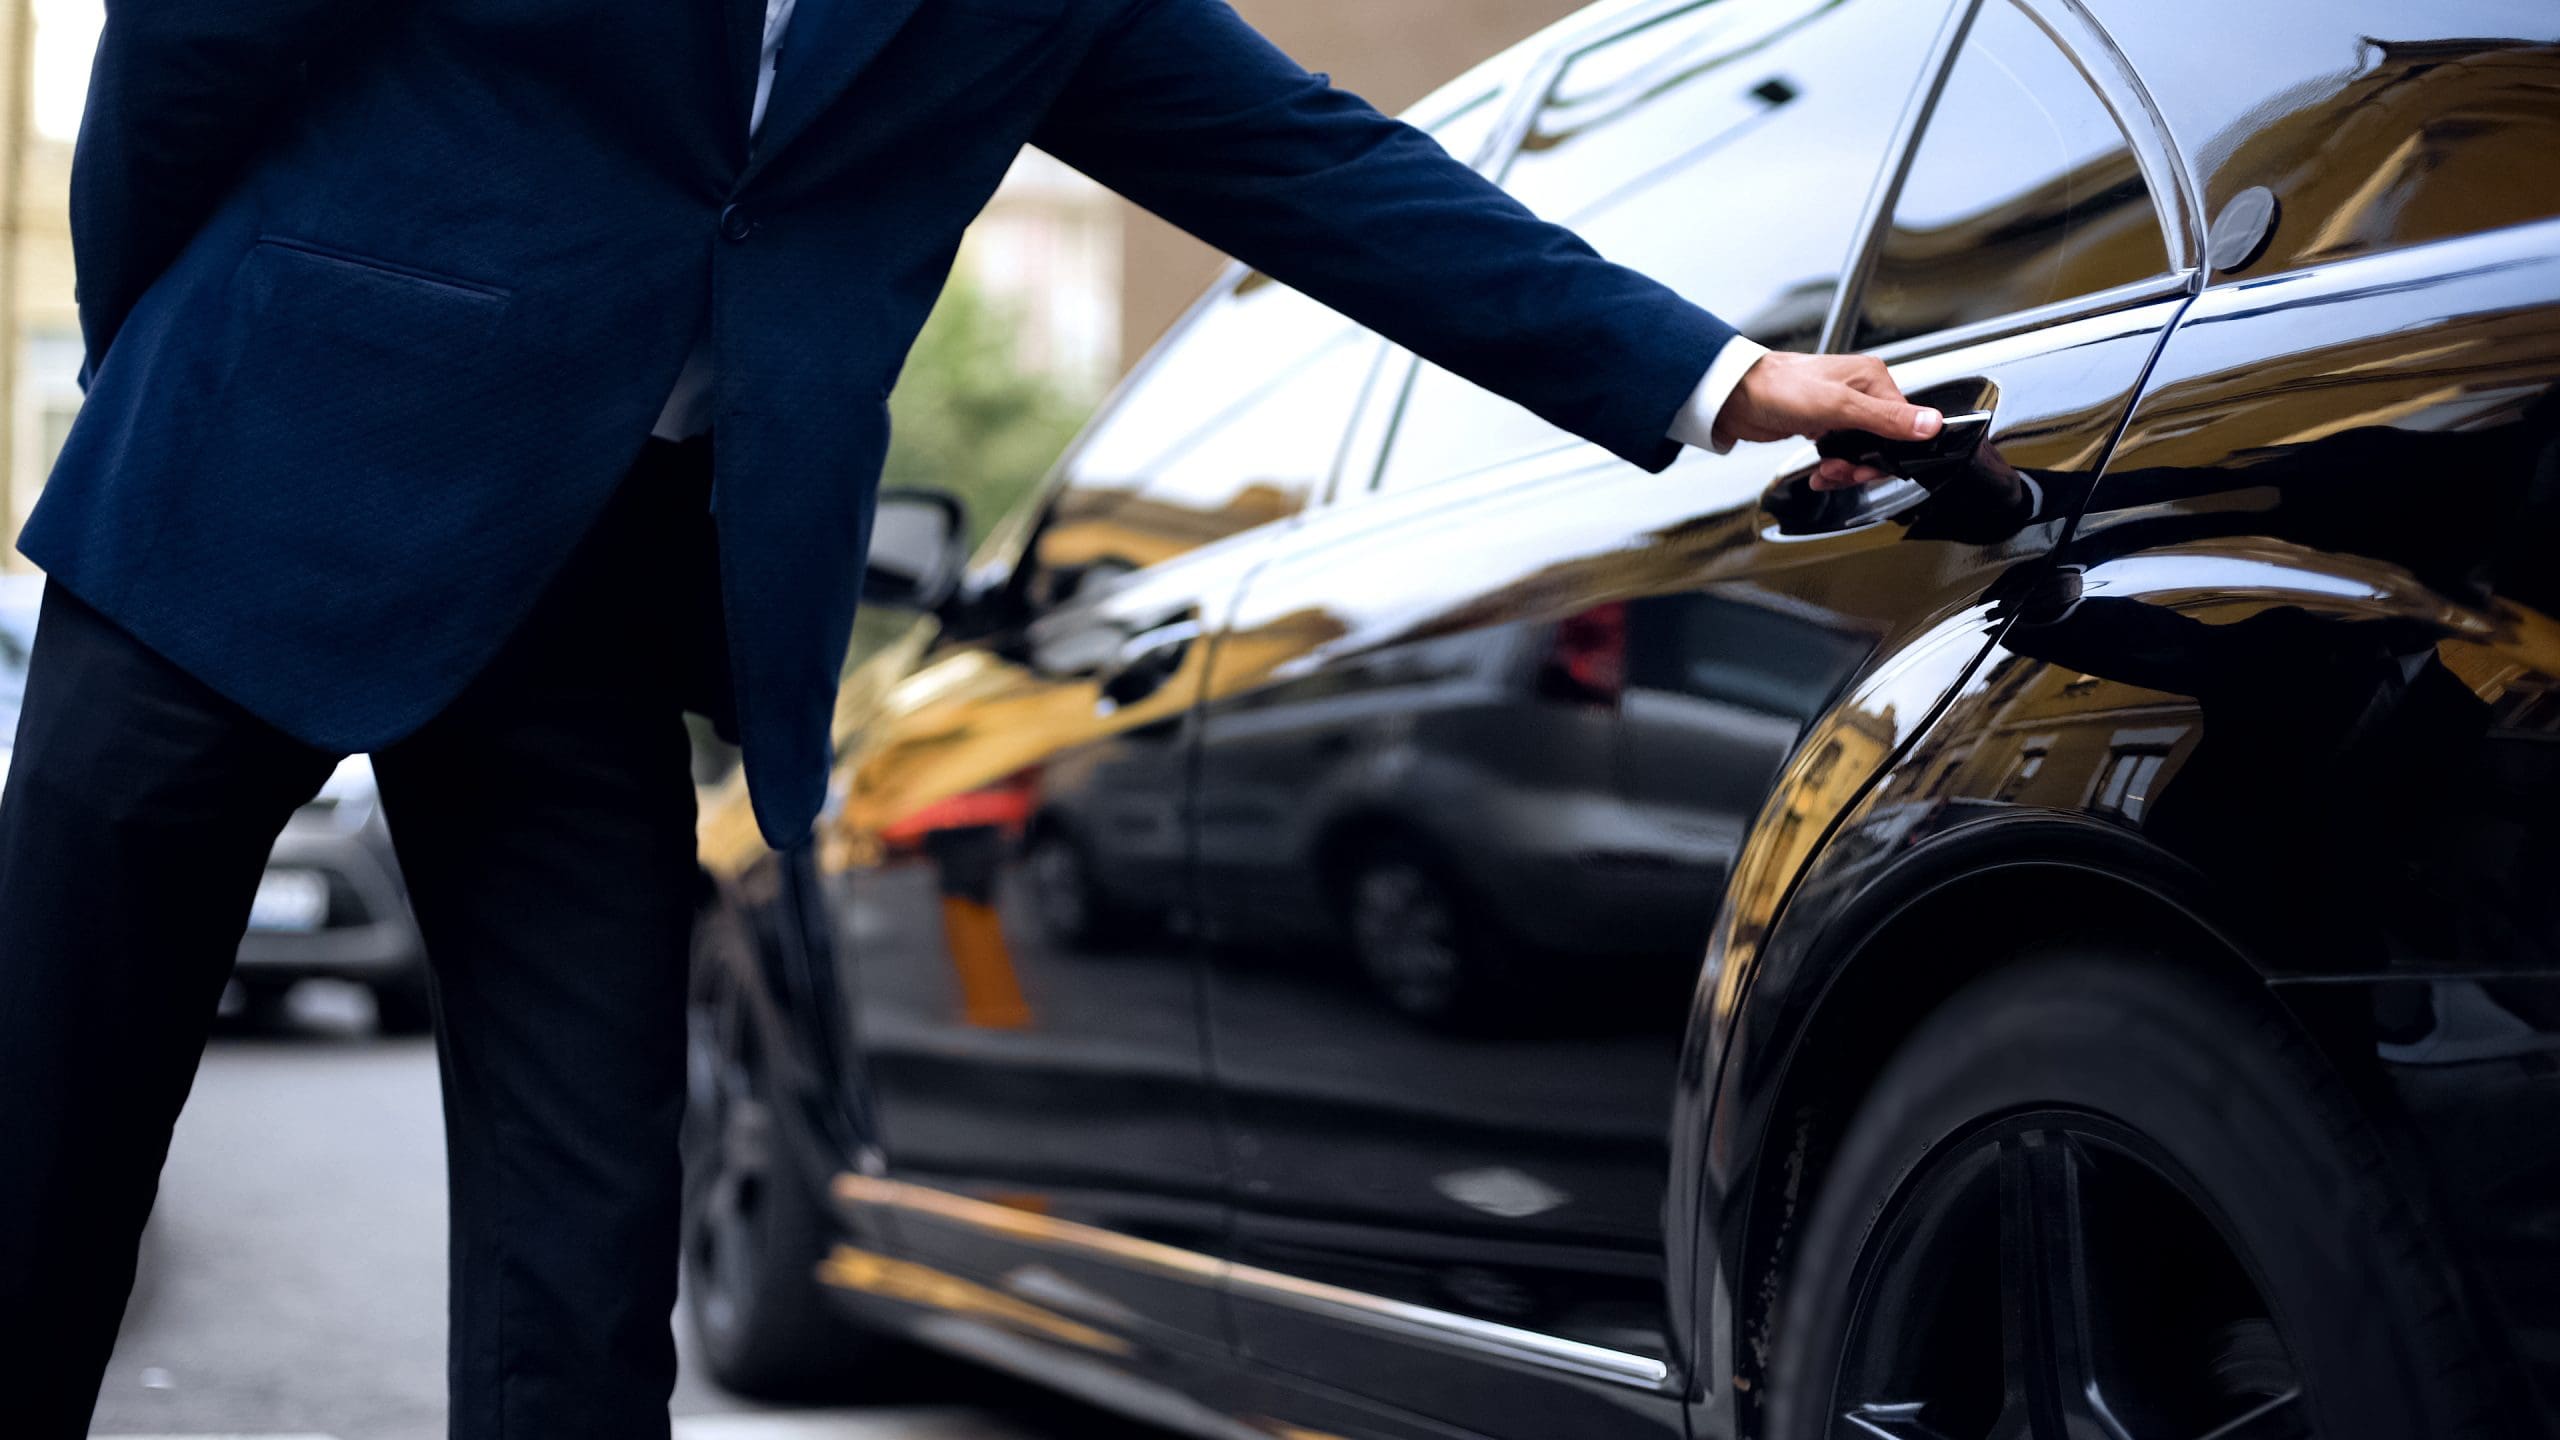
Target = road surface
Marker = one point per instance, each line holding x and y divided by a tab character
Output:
292	1281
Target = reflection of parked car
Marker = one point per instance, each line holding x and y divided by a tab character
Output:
2062	949
19	597
1464	811
331	905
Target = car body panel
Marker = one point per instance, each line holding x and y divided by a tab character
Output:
2178	654
1534	1179
2292	677
1008	1066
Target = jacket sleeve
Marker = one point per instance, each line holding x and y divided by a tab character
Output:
181	96
1185	109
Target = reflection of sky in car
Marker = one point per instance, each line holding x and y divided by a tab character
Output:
2012	83
1649	146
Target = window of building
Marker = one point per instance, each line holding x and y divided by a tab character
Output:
1727	151
2023	191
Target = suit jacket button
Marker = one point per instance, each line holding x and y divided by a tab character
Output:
736	223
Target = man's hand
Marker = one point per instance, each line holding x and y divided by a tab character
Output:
1786	395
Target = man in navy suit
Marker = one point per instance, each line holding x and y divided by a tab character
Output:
482	384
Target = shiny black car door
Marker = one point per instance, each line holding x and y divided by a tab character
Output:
1005	874
1488	738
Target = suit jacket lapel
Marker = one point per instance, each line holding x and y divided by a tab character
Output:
829	43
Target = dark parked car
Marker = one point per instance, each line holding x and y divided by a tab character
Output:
2061	943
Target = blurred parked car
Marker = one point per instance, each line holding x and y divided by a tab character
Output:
331	905
2058	944
19	597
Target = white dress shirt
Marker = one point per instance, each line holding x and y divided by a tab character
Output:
688	408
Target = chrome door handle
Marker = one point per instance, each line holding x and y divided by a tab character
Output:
1146	663
1799	510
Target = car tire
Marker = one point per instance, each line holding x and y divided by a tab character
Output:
754	1229
2152	1116
1424	944
404	1006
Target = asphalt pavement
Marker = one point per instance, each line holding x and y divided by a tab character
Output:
292	1280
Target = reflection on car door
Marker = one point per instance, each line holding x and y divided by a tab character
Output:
1005	873
1501	726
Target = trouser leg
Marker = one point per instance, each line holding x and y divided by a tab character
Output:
137	818
545	824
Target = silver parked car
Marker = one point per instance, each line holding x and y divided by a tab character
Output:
331	904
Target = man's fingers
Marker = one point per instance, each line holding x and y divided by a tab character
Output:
1897	418
1841	475
1893	419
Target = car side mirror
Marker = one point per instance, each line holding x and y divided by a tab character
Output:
919	549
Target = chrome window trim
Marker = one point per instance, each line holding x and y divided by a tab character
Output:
1887	186
1480	1338
1360	477
2172	285
2174	201
2093	52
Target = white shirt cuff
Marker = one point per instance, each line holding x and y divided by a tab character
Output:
1696	422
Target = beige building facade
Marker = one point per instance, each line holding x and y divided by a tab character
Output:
44	47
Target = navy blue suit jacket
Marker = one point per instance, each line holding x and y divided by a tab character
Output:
381	301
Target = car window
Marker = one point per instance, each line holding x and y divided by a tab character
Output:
2022	191
1236	424
1727	150
1239	422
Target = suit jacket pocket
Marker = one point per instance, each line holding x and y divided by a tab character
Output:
377	303
361	370
1033	11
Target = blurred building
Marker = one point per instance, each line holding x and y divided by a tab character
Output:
44	70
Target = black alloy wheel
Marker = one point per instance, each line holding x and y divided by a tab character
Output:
754	1232
2103	1197
1423	939
2046	1275
1409	935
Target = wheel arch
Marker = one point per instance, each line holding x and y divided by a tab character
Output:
1839	989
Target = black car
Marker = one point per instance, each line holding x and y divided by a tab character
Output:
1357	914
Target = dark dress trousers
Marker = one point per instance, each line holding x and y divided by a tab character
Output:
382	301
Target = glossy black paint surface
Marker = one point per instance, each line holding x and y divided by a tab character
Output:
1355	926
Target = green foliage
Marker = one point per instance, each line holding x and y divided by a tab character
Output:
969	418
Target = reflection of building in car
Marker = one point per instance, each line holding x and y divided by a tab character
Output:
2095	886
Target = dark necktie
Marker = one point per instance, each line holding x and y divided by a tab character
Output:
746	48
